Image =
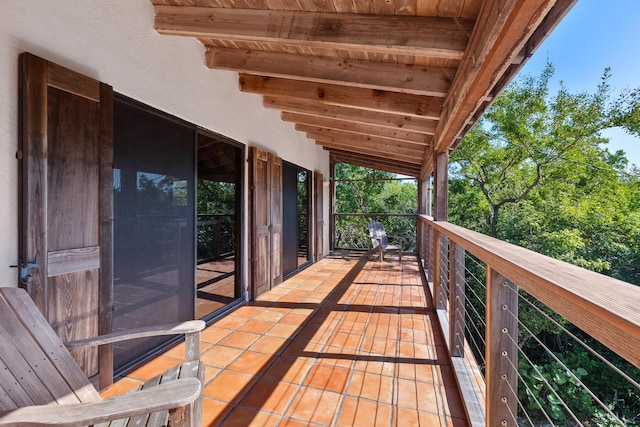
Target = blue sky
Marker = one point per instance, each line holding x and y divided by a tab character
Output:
596	34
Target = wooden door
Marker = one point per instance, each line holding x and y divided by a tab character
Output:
319	218
266	221
66	202
260	237
275	184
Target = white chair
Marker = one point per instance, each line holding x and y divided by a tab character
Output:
379	240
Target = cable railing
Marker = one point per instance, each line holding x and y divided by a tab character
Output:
351	229
556	345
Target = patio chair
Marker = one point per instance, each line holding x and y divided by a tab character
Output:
380	242
41	384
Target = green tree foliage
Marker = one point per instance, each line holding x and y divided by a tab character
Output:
216	218
362	190
535	171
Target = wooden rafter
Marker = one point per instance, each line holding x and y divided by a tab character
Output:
410	35
374	162
416	139
369	154
366	72
365	148
353	115
414	79
366	99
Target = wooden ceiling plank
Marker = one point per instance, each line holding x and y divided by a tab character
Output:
413	138
366	99
383	7
414	79
412	35
354	115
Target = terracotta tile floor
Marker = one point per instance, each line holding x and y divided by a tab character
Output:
345	342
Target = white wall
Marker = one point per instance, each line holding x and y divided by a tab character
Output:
114	41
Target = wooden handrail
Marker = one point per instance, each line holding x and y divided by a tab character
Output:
606	308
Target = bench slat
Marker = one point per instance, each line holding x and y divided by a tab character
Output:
21	308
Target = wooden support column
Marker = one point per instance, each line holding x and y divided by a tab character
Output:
441	199
501	350
423	196
456	300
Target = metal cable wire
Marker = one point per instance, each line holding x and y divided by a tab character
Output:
521	378
475	343
444	271
515	395
479	300
478	315
467	314
544	379
513	416
585	345
473	340
478	281
569	371
479	264
475	327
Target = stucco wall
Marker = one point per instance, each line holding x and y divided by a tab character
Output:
113	41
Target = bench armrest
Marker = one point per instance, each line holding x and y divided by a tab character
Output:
191	329
171	395
188	327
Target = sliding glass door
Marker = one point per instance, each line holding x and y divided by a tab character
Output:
177	241
219	218
296	182
154	203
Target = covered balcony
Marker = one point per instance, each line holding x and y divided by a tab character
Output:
340	338
355	341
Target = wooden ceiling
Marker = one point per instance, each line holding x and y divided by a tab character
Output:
377	83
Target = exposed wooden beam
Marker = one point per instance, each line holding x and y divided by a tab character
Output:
366	99
404	35
367	149
415	79
417	139
372	155
373	162
355	115
503	27
384	145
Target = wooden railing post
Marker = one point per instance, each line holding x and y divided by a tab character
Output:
456	300
423	239
501	350
427	246
445	279
435	256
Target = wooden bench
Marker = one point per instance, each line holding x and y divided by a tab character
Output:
41	384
